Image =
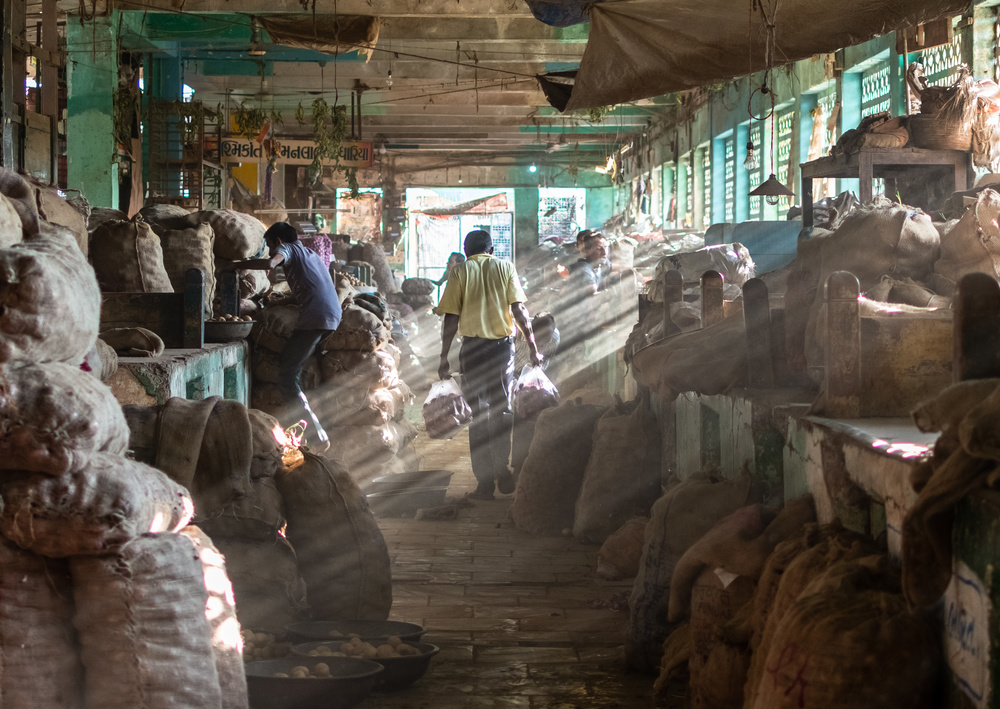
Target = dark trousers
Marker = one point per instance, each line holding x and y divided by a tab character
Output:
487	379
298	349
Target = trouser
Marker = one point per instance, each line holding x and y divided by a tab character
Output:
298	349
487	368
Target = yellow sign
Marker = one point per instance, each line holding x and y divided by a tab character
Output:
296	152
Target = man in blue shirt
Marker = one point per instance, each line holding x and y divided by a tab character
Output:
319	313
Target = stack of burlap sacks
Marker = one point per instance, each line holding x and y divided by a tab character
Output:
352	383
152	252
741	606
299	539
905	263
107	597
586	467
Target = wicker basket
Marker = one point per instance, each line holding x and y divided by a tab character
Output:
932	133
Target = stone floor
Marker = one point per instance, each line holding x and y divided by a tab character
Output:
521	622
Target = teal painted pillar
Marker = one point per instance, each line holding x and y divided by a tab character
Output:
600	206
525	219
92	74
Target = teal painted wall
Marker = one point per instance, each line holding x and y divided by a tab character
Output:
600	206
525	218
92	74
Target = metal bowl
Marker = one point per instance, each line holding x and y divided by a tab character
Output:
352	679
407	481
399	671
405	502
227	330
369	630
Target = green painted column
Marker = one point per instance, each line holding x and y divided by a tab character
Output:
600	206
92	74
525	219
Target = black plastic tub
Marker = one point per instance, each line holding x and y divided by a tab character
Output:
405	502
340	630
352	679
399	671
411	480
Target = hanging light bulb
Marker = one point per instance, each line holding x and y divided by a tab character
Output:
533	168
751	163
459	178
388	79
772	191
381	148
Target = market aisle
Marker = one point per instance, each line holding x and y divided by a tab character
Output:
521	622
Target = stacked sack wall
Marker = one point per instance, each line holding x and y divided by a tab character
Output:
102	604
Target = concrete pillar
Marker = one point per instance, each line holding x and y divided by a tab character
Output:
92	74
525	219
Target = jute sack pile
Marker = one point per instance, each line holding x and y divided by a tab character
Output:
267	586
848	641
257	516
622	478
140	617
682	516
102	360
274	326
134	342
10	224
101	215
128	258
22	199
56	210
50	305
360	329
550	479
220	611
41	660
342	554
55	416
91	511
971	244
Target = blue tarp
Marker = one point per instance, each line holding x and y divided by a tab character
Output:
560	13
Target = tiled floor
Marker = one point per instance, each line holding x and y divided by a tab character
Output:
521	622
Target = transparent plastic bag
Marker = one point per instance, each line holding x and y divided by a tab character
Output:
533	393
445	410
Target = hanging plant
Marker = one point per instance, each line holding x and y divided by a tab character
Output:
329	130
352	181
125	107
300	114
598	113
248	121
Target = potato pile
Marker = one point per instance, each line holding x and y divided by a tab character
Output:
231	318
356	647
320	670
263	646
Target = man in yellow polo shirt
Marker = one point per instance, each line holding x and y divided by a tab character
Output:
482	302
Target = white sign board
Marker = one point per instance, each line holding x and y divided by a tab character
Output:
296	152
967	633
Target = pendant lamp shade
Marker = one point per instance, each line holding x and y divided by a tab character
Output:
771	188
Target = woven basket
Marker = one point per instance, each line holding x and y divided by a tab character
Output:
932	133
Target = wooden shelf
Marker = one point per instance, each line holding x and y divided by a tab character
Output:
870	163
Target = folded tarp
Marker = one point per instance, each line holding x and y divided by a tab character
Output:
330	34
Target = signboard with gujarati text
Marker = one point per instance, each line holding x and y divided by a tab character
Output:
295	152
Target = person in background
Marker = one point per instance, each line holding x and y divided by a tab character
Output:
454	259
580	237
482	302
592	270
319	315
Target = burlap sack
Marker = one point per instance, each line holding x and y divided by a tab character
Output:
140	615
374	254
258	516
682	516
54	416
10	224
674	663
418	286
620	554
267	365
237	236
100	216
972	244
622	477
365	449
361	370
134	342
216	435
274	326
342	554
127	258
253	283
375	304
220	611
266	459
154	214
849	641
359	329
552	473
22	198
92	511
792	566
739	544
56	210
947	409
50	305
267	398
101	361
190	248
269	592
41	660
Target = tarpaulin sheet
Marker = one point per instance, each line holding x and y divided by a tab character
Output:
330	34
560	13
643	48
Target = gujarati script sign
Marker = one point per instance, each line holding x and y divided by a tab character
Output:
296	152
